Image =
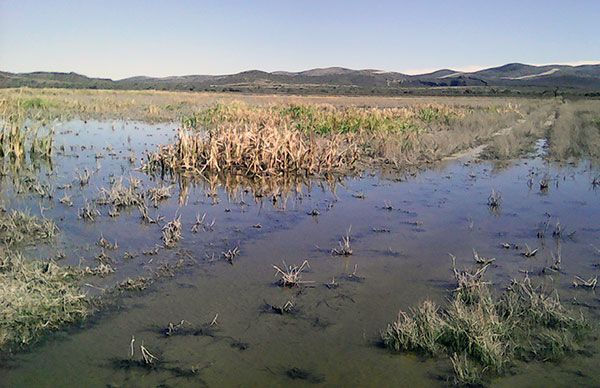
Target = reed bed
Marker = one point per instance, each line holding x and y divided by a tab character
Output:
318	139
326	118
485	335
161	106
254	151
18	140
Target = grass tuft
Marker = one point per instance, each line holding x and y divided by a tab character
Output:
37	297
485	335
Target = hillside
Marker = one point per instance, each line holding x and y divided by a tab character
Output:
511	77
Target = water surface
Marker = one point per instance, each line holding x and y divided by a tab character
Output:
402	230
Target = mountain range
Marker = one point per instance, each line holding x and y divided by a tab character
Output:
510	77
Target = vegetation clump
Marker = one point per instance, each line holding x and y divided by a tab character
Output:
306	139
37	297
120	195
18	227
484	335
253	151
171	232
291	275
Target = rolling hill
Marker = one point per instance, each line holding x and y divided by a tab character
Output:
509	77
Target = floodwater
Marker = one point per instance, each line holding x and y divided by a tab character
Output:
402	229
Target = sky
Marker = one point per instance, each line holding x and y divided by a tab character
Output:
118	39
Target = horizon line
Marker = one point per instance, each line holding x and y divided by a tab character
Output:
412	72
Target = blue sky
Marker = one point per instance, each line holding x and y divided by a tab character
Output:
117	39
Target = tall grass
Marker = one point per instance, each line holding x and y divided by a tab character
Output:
17	140
306	139
325	119
253	150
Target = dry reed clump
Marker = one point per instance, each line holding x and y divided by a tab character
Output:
484	335
120	196
88	212
18	227
37	297
494	200
83	177
159	193
345	249
18	141
313	139
291	276
171	232
291	139
253	150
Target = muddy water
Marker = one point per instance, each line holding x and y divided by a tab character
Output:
400	257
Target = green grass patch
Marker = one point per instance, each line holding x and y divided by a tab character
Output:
485	335
37	297
326	119
35	103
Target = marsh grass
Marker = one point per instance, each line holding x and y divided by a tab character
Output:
17	140
326	118
275	135
37	297
18	227
253	151
483	334
120	195
576	133
315	139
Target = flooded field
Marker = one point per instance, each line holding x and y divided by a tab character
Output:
197	292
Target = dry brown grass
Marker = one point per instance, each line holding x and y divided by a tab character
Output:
18	227
165	106
317	139
254	151
575	133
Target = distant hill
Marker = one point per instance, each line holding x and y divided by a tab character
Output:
511	77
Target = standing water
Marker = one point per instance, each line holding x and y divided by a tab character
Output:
222	318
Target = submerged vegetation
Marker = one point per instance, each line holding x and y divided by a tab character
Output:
485	335
265	148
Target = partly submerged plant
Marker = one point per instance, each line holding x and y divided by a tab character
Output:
484	335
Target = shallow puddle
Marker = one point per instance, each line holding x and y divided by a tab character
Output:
401	232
